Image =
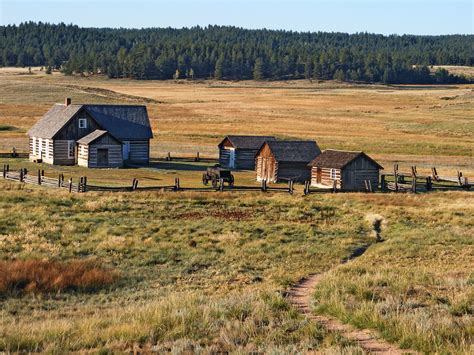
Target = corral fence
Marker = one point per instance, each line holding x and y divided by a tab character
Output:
81	184
389	182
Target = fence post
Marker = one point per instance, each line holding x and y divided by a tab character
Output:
4	171
395	174
334	186
383	183
168	158
197	157
221	184
59	181
306	187
84	188
264	185
42	173
460	178
290	186
79	184
413	176
39	177
429	184
176	184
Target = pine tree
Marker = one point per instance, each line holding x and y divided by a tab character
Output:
218	69
258	69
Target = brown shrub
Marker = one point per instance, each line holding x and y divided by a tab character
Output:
40	276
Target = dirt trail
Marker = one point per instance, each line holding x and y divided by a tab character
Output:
300	297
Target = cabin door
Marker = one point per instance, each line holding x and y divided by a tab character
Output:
232	158
102	157
318	175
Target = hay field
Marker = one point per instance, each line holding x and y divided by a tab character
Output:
208	272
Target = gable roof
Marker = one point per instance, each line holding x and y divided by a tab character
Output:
338	159
55	119
294	151
247	142
122	121
91	137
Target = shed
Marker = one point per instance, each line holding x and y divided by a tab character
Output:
285	160
99	149
350	170
238	152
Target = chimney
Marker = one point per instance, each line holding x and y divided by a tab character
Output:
67	102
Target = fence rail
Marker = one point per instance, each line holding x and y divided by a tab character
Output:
402	182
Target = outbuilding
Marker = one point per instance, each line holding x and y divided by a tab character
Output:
350	171
99	149
238	152
285	160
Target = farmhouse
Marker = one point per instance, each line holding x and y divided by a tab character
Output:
92	135
285	160
238	152
351	171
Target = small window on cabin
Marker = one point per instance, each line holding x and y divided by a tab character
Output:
333	174
71	145
82	123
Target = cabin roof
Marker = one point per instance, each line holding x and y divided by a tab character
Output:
338	159
122	121
246	142
91	137
294	151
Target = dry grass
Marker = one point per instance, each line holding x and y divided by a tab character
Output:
44	276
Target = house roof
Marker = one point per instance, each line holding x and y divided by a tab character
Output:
338	159
122	121
294	151
92	136
247	142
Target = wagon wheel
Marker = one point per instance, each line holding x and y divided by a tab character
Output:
231	180
214	182
204	179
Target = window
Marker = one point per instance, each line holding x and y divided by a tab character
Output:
333	174
71	145
82	123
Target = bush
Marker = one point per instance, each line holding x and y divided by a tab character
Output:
39	276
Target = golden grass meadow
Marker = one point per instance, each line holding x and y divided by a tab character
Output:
193	272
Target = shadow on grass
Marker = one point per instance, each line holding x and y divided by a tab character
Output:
177	165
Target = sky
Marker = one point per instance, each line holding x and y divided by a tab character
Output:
431	17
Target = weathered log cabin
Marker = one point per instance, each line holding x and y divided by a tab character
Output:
54	138
285	160
350	171
238	152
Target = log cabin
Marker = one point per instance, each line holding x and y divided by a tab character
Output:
350	171
55	138
238	152
285	160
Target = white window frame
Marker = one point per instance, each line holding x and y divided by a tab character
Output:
82	123
69	149
333	174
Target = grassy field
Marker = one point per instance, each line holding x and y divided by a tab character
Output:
208	272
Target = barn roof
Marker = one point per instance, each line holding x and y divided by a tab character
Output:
247	142
338	159
294	151
122	121
92	136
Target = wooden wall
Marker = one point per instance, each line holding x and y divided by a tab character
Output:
325	177
41	148
71	131
140	152
83	155
61	153
265	165
296	171
244	158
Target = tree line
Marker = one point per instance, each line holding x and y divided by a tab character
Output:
224	52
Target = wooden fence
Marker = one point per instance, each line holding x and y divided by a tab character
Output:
396	182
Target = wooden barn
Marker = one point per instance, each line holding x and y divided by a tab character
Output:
285	160
238	152
350	170
54	139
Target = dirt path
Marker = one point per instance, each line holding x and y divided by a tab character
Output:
300	297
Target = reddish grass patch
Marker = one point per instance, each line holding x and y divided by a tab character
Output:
39	276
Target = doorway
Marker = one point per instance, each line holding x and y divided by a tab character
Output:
102	157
